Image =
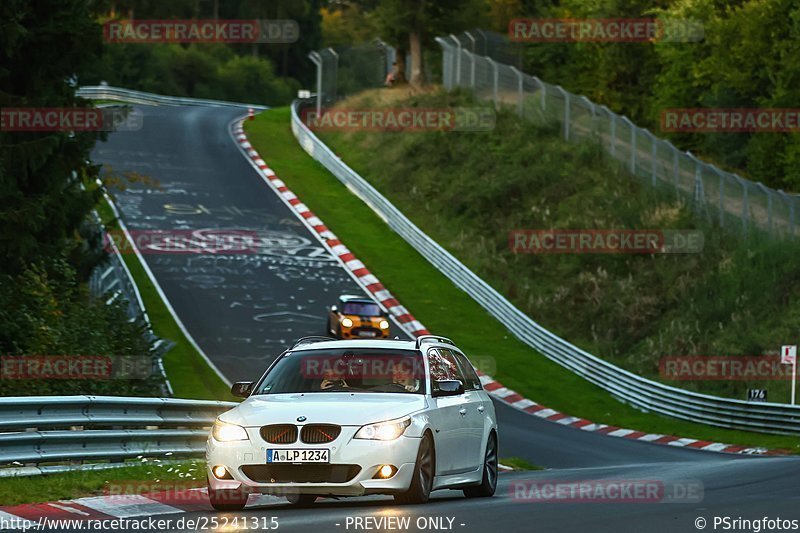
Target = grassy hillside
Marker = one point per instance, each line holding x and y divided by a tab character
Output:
470	189
445	309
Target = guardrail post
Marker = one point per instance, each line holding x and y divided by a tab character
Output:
520	90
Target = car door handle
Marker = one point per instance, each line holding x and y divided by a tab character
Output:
462	411
480	408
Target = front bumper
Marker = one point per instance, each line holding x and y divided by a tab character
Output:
361	458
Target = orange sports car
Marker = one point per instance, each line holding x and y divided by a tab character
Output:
357	317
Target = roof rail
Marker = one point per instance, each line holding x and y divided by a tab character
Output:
422	339
310	339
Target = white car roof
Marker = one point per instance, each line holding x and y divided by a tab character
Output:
358	343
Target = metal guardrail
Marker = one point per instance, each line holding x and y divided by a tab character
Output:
41	429
635	390
115	280
104	92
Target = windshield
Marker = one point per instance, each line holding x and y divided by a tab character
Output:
346	370
361	309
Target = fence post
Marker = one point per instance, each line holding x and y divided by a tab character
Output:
613	147
543	90
591	109
472	61
745	204
495	78
317	60
653	157
633	144
520	90
721	197
769	206
699	190
565	94
458	59
676	170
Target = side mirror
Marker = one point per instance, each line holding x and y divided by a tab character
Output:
334	309
242	389
385	314
449	387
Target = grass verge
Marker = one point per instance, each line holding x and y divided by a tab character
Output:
152	475
445	309
188	372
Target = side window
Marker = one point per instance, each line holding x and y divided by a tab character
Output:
473	382
442	367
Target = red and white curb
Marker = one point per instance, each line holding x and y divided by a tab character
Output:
356	268
414	327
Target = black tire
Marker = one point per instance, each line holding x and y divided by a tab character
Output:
489	482
424	470
301	500
227	500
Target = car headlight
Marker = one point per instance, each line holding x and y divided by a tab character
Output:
389	430
346	322
225	432
384	324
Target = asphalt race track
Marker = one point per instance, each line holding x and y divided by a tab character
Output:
243	310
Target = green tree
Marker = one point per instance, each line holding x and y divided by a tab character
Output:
45	48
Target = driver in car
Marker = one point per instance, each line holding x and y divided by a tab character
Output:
407	380
332	378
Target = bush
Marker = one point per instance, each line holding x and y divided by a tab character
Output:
46	311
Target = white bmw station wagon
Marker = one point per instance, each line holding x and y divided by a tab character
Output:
356	417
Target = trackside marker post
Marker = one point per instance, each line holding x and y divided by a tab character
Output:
789	357
250	113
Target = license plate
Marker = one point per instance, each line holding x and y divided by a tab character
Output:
298	456
368	334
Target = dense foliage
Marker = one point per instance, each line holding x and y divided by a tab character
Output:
47	246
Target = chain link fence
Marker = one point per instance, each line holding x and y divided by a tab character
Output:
349	70
489	66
